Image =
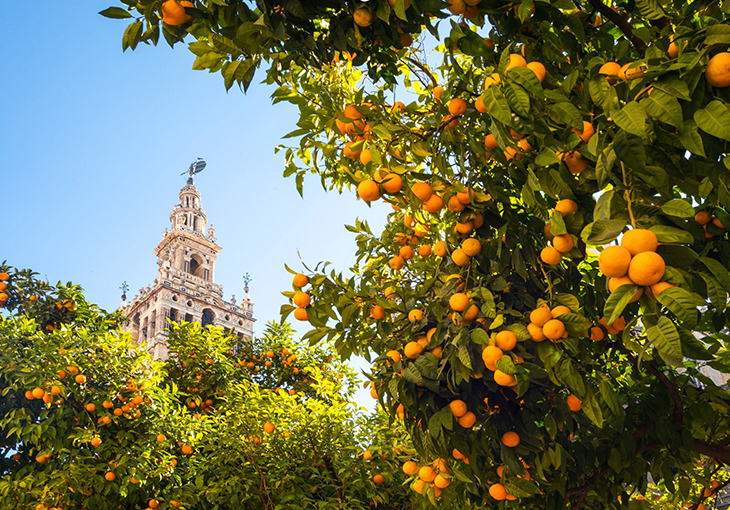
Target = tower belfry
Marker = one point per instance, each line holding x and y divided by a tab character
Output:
184	289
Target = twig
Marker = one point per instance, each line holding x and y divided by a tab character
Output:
621	23
627	195
423	68
550	285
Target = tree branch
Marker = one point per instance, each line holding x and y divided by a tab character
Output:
717	452
423	69
621	23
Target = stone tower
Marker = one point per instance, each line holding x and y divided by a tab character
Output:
184	289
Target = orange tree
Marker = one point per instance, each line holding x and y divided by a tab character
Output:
90	420
546	305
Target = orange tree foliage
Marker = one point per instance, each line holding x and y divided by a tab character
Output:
90	420
565	158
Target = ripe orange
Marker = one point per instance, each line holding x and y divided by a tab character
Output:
563	243
434	204
575	162
497	491
660	287
632	71
504	379
510	439
506	340
187	449
647	268
394	356
440	249
492	80
610	69
396	262
465	228
717	72
153	503
95	441
558	311
424	250
471	246
118	411
566	206
615	283
392	183
491	354
516	60
410	468
378	479
490	142
406	252
703	217
362	17
540	316
301	299
454	205
377	312
4	277
460	258
81	379
574	403
549	255
90	407
535	332
587	132
458	408
161	438
110	476
412	349
173	13
639	240
479	105
457	106
398	108
459	302
468	420
614	261
596	334
673	50
301	314
441	482
538	69
351	153
368	190
553	329
300	280
426	473
38	392
422	190
269	427
415	315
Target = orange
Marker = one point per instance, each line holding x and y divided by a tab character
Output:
351	112
269	427
471	246
110	476
516	60
525	145
566	206
90	407
540	316
563	243
368	190
118	411
394	356
422	190
647	268
95	441
377	312
506	340
396	262
300	280
153	503
479	105
660	287
418	486
406	252
173	13
427	473
4	277
614	261
471	313
538	69
717	72
458	408
575	162
437	351
301	299
491	354
410	468
38	392
434	204
632	71
440	249
673	50
398	108
458	302
187	449
490	142
610	69
464	228
392	183
424	250
554	329
460	258
457	106
456	7
349	152
491	80
615	283
549	255
535	332
504	379
81	379
412	349
301	314
586	133
365	156
558	311
454	205
703	217
510	439
441	482
107	404
378	479
468	420
362	17
415	315
497	491
639	240
717	223
161	438
596	334
574	403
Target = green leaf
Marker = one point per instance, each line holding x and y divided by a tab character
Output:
665	338
650	9
717	295
592	410
568	300
663	107
691	139
497	106
526	78
546	157
630	149
520	488
617	302
116	13
132	35
602	231
718	270
692	347
479	336
518	99
680	302
464	356
678	208
606	160
520	331
717	34
677	256
674	87
667	234
714	119
569	114
557	225
506	365
631	118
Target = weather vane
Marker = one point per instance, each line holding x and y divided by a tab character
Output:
124	288
246	280
196	167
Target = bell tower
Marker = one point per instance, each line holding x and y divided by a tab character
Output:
184	289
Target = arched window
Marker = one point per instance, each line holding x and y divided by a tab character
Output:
196	266
208	317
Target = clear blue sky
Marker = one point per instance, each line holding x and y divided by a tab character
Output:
94	141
